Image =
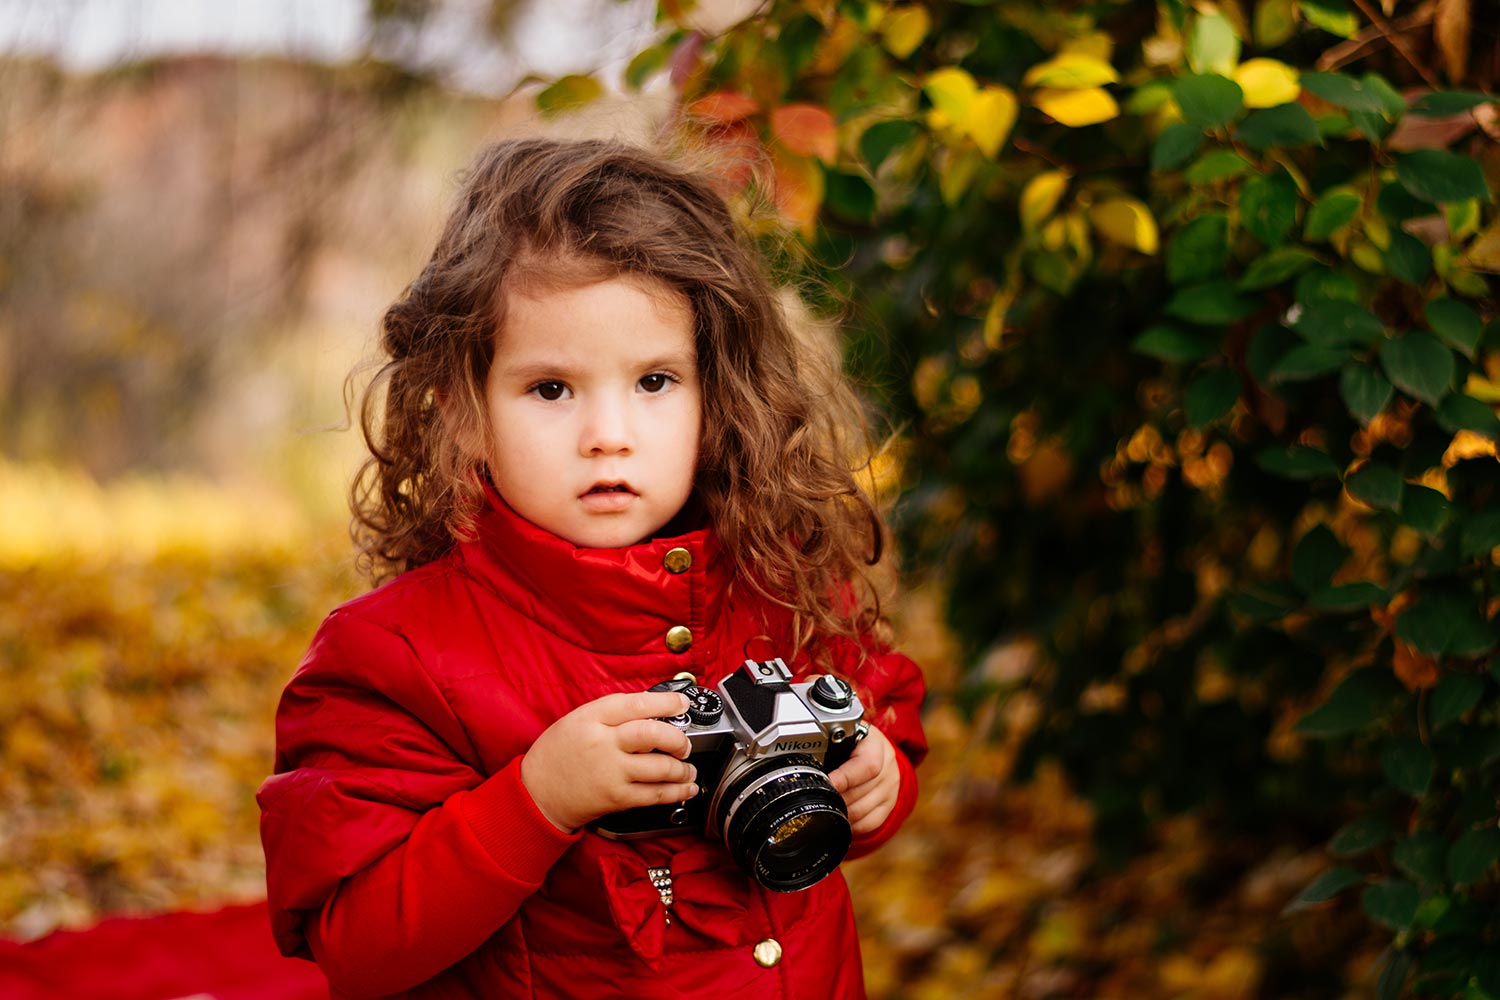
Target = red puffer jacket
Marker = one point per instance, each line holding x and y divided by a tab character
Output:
403	853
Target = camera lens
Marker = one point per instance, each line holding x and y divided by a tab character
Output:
785	824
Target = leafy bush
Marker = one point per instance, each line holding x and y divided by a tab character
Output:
1189	327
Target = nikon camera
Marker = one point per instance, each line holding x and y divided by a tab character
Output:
763	747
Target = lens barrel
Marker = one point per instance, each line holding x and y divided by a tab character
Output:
785	824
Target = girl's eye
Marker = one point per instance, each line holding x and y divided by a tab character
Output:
656	381
550	391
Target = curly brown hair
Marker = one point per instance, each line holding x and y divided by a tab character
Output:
784	435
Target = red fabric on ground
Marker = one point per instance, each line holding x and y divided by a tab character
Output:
226	954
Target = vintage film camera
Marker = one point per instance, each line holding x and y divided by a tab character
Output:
763	747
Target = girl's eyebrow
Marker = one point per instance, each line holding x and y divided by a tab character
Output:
526	370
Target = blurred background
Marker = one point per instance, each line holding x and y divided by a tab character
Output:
1181	319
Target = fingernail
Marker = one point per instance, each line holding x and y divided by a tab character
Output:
692	773
692	791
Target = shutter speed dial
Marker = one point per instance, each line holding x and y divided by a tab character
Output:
705	707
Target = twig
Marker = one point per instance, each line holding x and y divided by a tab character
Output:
1354	48
1399	41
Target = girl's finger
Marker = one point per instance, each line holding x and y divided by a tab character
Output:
617	709
642	793
870	812
645	735
857	770
655	767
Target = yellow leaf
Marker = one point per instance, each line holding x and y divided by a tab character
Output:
1076	108
952	92
1267	83
1071	71
1482	388
1125	221
991	117
956	173
1484	253
903	28
1040	196
1096	43
1275	22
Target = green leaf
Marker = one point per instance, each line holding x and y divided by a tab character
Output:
1342	90
1348	597
1437	175
1333	16
1419	366
1323	284
1472	855
1459	412
798	42
1263	604
1391	902
1408	259
1454	695
1365	391
1175	146
1409	765
1359	700
1376	484
1332	323
1316	558
1444	103
1456	324
1211	395
1212	45
569	92
1276	266
1268	207
1444	624
849	196
645	64
1208	100
1330	213
1479	535
1298	462
1170	343
884	138
1306	362
1199	250
1425	510
1393	975
1421	856
1286	125
1211	303
1399	205
1324	888
1361	835
1216	165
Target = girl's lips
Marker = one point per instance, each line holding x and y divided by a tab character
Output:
608	498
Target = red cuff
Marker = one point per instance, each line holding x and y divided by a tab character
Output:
506	820
906	801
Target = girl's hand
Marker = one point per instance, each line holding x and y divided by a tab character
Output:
869	781
597	759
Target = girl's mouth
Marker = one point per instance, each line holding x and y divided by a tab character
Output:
610	488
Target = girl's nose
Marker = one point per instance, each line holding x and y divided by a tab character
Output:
606	429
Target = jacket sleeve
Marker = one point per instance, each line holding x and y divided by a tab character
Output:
891	688
389	854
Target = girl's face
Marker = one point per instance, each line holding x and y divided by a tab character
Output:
595	409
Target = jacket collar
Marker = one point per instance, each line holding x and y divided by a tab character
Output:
605	600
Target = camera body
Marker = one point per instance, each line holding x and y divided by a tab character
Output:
763	747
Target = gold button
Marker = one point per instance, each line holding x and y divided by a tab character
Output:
767	953
677	560
679	639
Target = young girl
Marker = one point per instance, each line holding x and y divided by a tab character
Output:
605	459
